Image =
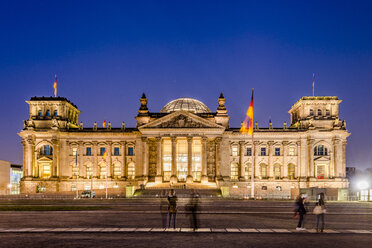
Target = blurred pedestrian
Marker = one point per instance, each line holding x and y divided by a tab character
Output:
319	211
172	208
301	210
193	206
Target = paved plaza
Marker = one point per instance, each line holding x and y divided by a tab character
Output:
223	223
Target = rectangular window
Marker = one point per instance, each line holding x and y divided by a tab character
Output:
263	151
264	188
291	151
130	151
277	151
74	151
234	150
116	151
327	112
311	112
249	151
89	151
102	151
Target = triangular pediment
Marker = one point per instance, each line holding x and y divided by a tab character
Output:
322	158
181	119
45	159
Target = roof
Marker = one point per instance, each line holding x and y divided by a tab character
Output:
186	104
51	98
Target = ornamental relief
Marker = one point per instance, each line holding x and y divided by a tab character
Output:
211	159
181	121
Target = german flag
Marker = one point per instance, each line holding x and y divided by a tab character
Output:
247	126
104	124
105	154
55	85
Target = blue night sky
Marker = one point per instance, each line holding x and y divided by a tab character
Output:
106	53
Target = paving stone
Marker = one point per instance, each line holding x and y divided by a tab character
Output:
93	230
172	229
281	230
203	230
187	229
126	229
232	229
330	231
248	230
145	229
216	230
157	230
41	230
360	231
115	229
61	229
265	230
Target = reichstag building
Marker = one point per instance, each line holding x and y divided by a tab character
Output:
185	143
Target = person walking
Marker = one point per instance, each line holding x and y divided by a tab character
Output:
193	208
172	208
319	211
301	210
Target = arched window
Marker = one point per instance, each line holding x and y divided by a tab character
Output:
117	170
131	170
234	171
320	150
277	171
319	112
291	171
263	171
248	171
46	150
89	170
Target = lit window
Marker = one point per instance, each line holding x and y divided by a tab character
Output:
74	151
291	171
311	112
234	171
277	172
320	171
116	151
249	151
248	171
291	151
263	151
319	112
89	151
130	151
263	171
102	151
320	150
167	160
277	151
46	150
234	150
131	171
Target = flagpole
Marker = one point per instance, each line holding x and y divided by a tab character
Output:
313	83
77	175
252	154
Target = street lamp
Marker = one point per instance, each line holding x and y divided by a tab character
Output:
363	185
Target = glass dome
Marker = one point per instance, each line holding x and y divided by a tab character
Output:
186	104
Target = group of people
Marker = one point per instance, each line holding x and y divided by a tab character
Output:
191	208
301	210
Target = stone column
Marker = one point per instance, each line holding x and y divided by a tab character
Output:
311	165
124	158
304	158
145	156
343	163
189	178
255	155
29	144
285	166
159	166
109	170
55	169
298	166
204	178
270	158
218	160
241	163
174	161
82	169
95	162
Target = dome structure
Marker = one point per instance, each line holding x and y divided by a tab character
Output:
185	104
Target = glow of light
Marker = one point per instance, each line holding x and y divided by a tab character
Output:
363	185
101	187
9	186
116	186
235	186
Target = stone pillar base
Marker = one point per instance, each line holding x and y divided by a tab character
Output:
173	179
204	179
241	179
189	179
158	179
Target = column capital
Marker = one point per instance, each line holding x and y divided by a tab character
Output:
173	138
241	143
298	143
204	139
143	139
285	143
217	140
158	139
270	143
189	139
256	143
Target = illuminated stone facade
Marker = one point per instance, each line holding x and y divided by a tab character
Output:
184	143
